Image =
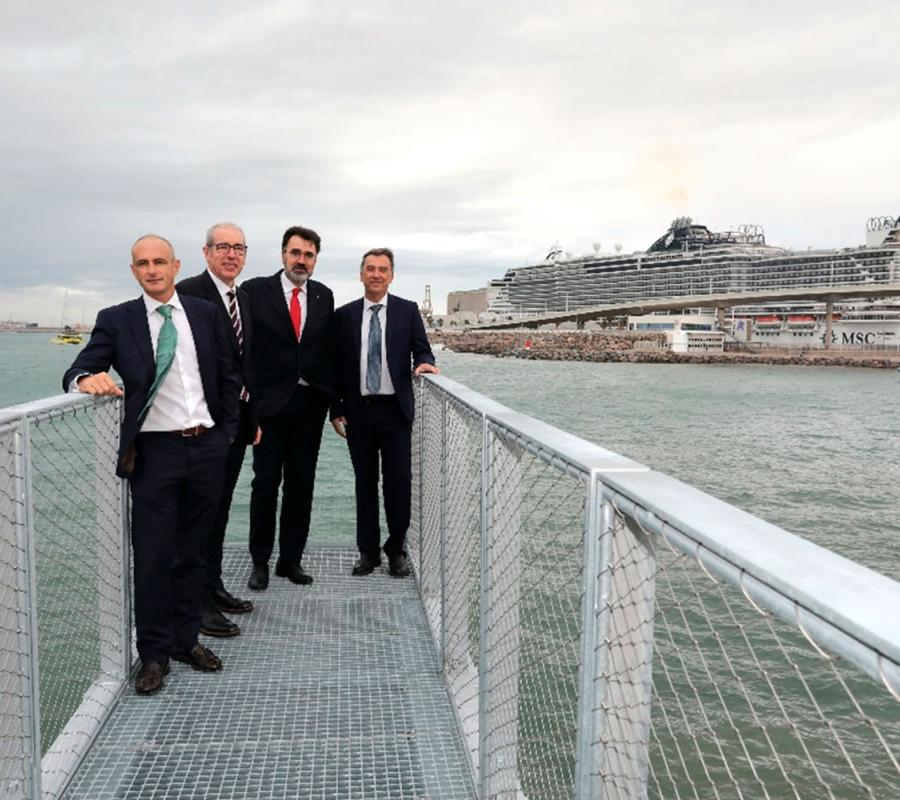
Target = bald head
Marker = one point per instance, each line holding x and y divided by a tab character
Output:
148	236
154	266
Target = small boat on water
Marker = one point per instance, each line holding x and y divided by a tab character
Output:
67	337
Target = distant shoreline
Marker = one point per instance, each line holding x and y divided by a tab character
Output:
642	348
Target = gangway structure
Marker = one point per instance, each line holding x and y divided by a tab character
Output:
579	626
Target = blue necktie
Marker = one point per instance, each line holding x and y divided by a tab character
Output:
373	361
165	355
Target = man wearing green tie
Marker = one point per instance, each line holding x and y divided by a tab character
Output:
181	412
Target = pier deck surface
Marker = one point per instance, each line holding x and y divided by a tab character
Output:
331	691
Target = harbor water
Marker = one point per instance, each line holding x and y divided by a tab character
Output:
813	450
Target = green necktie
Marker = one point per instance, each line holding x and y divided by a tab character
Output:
165	355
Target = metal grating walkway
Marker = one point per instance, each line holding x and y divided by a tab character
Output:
330	691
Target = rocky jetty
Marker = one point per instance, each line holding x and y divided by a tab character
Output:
640	347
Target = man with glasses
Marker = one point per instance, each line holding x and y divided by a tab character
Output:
291	316
225	252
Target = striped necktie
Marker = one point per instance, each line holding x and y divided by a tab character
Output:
231	294
166	344
373	358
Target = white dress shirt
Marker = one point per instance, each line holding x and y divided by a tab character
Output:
224	289
288	288
387	387
180	402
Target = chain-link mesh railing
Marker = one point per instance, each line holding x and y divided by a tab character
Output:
64	614
606	631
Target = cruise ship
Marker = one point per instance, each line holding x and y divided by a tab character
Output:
689	259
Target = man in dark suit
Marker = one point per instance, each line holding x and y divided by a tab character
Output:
380	342
225	252
291	316
180	417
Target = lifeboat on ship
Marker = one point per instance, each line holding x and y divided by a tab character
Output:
801	322
769	322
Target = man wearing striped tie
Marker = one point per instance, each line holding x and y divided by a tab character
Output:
181	404
225	252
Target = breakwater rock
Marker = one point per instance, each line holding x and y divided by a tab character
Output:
640	347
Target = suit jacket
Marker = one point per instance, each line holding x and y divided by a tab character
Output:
279	360
202	286
121	340
406	345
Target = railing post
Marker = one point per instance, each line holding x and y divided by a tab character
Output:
445	482
624	662
483	598
595	595
420	423
20	727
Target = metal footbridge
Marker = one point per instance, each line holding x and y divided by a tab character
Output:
331	691
577	626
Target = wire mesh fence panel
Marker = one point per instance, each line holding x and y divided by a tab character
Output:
658	672
18	751
447	465
64	620
533	629
424	539
745	706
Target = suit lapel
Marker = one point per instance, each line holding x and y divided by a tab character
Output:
280	308
140	330
356	331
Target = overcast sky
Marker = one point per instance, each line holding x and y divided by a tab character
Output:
467	136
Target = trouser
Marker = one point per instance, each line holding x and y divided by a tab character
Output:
216	538
287	454
381	432
175	491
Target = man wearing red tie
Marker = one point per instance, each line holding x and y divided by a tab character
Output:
291	315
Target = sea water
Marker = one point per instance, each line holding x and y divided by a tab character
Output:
815	450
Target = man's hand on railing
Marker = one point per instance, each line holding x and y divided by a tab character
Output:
99	384
426	367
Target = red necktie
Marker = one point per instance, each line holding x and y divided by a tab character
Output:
295	312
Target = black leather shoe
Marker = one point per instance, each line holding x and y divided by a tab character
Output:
227	603
259	578
198	657
150	679
292	571
365	564
398	566
212	623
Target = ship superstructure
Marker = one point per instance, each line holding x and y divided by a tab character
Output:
689	259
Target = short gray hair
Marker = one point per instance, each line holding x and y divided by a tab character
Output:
211	232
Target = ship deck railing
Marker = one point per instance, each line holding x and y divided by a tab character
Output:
579	625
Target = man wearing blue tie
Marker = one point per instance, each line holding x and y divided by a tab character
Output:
380	342
181	413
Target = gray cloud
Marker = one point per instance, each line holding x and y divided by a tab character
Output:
467	135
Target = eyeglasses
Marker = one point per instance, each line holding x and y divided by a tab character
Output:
223	247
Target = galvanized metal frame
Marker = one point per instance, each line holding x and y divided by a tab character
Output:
47	776
790	581
28	593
